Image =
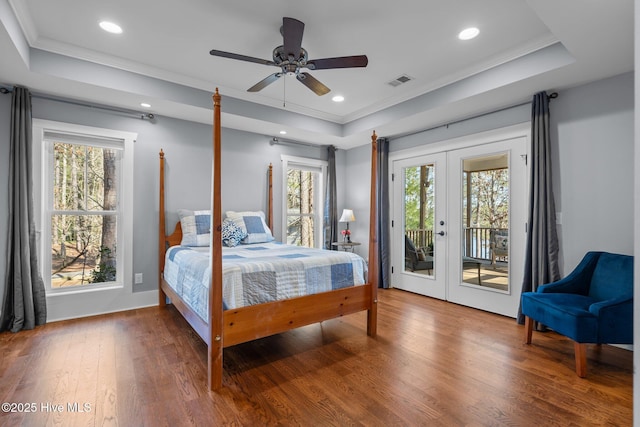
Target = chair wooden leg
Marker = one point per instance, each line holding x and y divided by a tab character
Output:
581	359
528	329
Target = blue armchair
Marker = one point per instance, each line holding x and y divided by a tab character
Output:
594	304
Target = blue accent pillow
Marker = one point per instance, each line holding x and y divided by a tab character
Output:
253	224
232	235
196	227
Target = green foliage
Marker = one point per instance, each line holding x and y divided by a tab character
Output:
413	199
300	206
105	271
489	199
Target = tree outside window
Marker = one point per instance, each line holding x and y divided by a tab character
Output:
84	215
301	210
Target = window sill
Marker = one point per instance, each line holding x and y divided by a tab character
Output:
84	290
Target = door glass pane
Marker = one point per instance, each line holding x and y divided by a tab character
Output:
485	221
419	209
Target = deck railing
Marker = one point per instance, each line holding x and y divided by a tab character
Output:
476	241
421	237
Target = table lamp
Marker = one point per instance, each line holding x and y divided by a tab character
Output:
347	216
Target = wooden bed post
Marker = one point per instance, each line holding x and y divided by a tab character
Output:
162	298
231	327
215	286
372	312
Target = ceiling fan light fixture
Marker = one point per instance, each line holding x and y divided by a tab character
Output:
338	98
110	27
468	33
292	58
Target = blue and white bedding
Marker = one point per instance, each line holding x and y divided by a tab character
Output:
258	273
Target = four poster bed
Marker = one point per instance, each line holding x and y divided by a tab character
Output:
222	322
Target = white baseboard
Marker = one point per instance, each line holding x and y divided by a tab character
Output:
87	304
623	346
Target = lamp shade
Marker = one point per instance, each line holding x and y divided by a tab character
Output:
347	216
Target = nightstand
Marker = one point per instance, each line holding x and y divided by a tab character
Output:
346	246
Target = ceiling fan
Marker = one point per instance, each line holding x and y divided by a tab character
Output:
291	57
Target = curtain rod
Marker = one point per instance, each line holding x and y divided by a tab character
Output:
150	116
552	95
274	140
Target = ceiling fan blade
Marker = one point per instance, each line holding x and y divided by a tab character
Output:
312	83
292	31
264	82
340	62
240	57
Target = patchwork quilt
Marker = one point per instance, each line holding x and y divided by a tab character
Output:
259	273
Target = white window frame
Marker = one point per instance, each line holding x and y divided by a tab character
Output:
314	165
78	301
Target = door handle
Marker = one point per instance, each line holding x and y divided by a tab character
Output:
441	233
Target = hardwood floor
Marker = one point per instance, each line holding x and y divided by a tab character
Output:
433	363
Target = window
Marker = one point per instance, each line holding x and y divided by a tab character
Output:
303	181
85	207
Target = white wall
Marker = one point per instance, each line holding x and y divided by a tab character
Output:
636	311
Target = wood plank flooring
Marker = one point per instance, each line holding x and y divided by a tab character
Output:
433	363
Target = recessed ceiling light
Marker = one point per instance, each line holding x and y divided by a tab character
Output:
338	98
283	132
145	105
111	27
468	33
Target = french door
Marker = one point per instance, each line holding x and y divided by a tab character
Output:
459	224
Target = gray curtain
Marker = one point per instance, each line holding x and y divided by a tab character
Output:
541	257
24	304
384	235
330	207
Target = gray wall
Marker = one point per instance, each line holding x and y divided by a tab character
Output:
188	153
592	127
592	133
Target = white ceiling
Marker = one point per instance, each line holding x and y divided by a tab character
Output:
524	46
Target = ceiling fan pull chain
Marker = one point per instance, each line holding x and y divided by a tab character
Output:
284	91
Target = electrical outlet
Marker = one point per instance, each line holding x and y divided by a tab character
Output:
559	218
138	278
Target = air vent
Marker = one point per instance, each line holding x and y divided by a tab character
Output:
399	80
